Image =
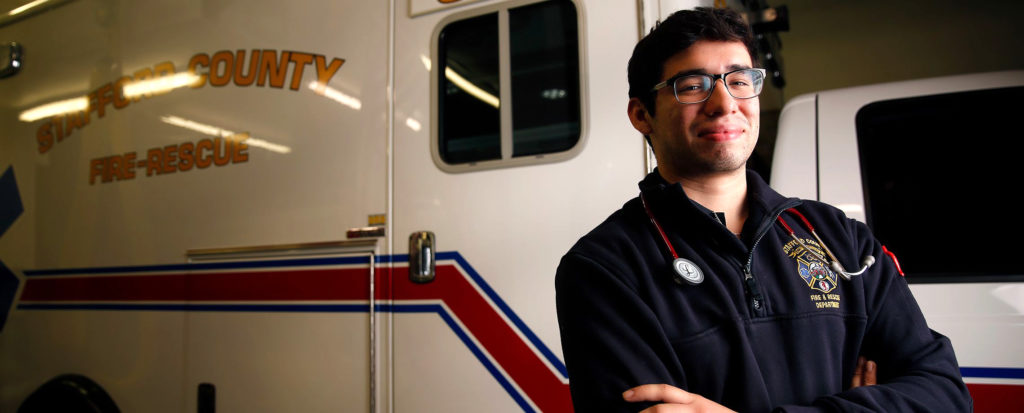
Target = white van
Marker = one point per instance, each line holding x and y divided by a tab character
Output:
933	167
309	206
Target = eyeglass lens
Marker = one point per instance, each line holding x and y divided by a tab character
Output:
741	84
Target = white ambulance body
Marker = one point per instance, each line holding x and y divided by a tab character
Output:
316	206
198	230
931	165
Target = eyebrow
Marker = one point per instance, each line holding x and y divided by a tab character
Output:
704	72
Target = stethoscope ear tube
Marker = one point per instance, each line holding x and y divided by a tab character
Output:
866	263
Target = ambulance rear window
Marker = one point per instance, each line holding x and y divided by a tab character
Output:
508	87
940	177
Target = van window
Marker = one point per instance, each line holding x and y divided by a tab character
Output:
508	87
940	173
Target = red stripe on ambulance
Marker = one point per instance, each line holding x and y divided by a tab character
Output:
523	366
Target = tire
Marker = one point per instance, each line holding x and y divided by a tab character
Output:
69	393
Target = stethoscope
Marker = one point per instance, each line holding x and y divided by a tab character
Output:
691	273
834	264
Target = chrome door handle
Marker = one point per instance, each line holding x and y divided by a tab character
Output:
421	257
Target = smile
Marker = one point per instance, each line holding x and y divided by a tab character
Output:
721	134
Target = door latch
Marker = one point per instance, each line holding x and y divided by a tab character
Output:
421	257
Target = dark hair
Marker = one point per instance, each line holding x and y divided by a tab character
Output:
677	33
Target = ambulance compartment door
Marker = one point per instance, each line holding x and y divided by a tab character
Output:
199	125
301	338
510	142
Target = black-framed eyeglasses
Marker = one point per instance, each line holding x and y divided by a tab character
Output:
696	88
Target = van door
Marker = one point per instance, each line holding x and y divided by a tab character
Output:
510	142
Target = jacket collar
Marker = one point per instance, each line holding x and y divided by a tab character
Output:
669	202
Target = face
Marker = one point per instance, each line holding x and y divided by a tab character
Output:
698	140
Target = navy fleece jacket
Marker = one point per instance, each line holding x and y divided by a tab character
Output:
768	328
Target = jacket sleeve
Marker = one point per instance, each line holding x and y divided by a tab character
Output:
917	369
611	340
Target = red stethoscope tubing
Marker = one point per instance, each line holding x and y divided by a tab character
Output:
656	225
867	262
833	263
810	228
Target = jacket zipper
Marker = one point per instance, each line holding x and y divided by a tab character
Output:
754	296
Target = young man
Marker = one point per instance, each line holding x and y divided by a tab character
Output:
697	292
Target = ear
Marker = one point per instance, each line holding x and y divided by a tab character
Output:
639	116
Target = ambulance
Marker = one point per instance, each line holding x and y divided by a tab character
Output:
354	205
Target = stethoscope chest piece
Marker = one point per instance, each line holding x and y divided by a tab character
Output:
687	271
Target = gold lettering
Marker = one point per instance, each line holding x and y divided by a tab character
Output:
119	101
222	151
245	80
140	75
163	69
216	77
200	59
301	60
44	136
58	121
153	161
324	72
128	166
96	167
201	161
241	152
826	304
185	156
170	159
74	121
264	67
99	99
271	70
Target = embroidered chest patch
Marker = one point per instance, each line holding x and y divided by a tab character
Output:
815	273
